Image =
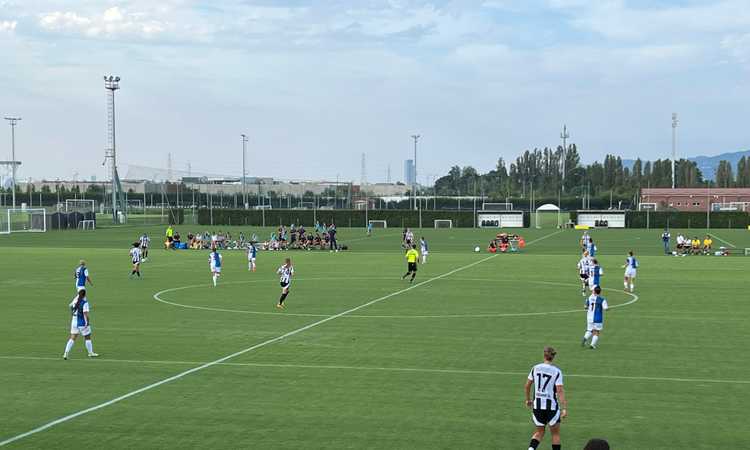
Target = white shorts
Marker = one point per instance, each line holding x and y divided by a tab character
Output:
80	288
250	259
591	326
215	269
75	329
425	253
630	272
591	283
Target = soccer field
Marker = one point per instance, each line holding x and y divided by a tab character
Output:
360	358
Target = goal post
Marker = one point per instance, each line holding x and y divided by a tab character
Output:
486	206
378	223
24	221
443	223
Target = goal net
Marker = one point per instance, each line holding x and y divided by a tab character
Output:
23	220
443	223
81	206
378	223
135	206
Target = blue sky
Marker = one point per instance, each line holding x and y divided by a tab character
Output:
316	83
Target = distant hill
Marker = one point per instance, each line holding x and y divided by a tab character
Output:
707	164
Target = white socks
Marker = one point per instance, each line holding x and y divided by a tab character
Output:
89	346
625	284
632	286
69	345
424	259
594	340
214	277
587	336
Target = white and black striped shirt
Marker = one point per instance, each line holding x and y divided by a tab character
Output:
546	378
135	255
286	274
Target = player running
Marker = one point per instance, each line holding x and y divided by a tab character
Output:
595	274
286	271
412	258
145	242
80	324
214	263
82	276
423	250
548	397
631	264
595	307
252	252
135	258
583	271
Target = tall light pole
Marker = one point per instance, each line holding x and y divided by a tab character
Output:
414	180
564	136
244	173
111	84
674	146
13	121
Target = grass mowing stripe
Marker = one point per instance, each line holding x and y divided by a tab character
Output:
235	354
394	369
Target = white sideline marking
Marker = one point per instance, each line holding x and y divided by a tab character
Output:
241	352
233	355
389	369
722	240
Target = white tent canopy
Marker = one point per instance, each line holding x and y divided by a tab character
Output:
548	207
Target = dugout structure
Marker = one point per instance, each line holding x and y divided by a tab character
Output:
500	219
601	219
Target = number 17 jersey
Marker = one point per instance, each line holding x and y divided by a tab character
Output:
546	378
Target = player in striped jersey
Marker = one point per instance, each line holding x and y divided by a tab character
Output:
631	264
145	242
286	271
595	307
214	263
549	397
135	258
583	271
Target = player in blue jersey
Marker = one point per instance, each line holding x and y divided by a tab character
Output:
595	307
214	263
631	264
82	276
591	248
423	249
80	324
252	252
595	274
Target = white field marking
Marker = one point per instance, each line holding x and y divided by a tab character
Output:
374	368
722	240
233	355
634	298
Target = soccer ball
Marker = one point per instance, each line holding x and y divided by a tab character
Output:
476	249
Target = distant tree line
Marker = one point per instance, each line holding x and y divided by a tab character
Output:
541	171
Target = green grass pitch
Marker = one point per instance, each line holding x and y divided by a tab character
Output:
439	365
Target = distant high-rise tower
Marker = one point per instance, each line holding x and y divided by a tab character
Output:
169	167
363	178
388	174
409	172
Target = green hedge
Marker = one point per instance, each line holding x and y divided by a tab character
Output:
396	218
176	216
682	219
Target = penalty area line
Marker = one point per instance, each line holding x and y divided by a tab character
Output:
223	359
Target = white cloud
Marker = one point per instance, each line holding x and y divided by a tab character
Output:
112	22
8	26
737	47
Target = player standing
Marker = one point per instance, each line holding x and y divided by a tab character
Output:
252	252
145	242
423	250
595	307
412	258
549	395
595	274
631	264
214	263
135	258
82	276
80	324
286	271
369	228
583	271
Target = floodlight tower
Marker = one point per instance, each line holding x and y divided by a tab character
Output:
564	136
13	121
244	173
111	84
674	146
414	180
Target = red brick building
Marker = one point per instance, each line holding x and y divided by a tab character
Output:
696	199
